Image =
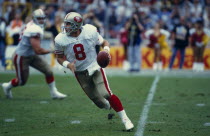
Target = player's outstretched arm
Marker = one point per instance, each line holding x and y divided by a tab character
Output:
35	42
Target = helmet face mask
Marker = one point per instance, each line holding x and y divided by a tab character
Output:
70	27
39	17
72	23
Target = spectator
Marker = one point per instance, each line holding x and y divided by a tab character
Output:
134	28
113	23
60	12
99	7
14	28
185	7
50	12
180	37
206	16
196	10
55	29
175	15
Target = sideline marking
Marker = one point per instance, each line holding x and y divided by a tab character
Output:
144	114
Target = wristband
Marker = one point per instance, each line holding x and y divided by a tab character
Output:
65	64
107	48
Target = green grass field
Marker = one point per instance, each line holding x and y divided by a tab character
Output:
173	110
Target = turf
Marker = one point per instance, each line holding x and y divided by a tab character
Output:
174	108
179	113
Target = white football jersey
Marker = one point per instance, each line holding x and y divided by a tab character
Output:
24	47
81	48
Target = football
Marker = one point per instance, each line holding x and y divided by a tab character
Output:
103	59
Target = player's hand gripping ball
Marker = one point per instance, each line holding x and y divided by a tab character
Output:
103	59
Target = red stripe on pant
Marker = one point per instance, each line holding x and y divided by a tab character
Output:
113	100
105	82
14	81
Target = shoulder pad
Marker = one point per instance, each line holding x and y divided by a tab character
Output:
90	28
59	39
33	30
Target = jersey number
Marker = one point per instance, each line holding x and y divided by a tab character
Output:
79	52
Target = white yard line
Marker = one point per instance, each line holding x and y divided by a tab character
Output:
144	114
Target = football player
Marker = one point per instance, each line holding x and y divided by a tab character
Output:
26	55
75	50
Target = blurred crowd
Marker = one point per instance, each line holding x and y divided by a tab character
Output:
111	17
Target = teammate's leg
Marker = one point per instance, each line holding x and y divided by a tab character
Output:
22	72
41	65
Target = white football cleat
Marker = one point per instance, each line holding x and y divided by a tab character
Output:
7	90
57	95
128	125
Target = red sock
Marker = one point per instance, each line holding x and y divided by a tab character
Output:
49	79
14	82
115	103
